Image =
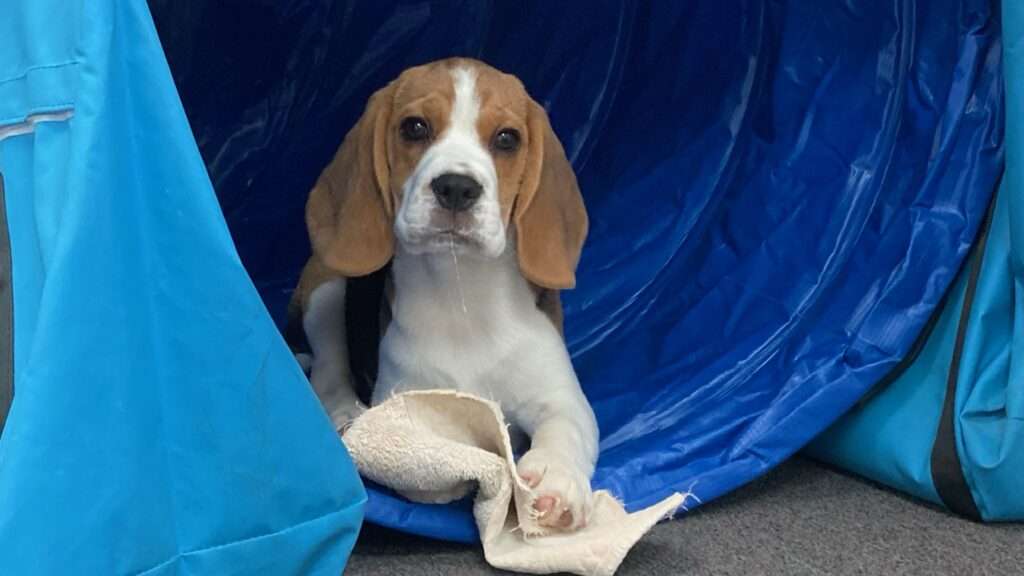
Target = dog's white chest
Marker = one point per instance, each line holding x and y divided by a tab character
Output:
460	329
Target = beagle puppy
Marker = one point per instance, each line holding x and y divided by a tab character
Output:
454	176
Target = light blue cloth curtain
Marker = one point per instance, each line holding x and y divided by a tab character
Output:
159	423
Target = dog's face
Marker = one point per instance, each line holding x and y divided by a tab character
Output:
450	154
457	157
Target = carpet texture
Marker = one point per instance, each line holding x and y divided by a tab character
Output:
800	519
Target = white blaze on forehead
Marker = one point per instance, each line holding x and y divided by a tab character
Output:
466	108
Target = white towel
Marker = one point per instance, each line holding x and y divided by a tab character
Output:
436	446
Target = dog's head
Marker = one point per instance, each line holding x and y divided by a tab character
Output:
450	153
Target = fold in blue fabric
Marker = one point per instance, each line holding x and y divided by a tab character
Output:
160	424
780	192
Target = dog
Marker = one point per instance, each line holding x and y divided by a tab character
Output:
454	176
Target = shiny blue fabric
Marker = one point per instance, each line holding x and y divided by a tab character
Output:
160	425
780	192
900	423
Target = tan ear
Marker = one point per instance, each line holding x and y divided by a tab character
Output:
550	219
349	213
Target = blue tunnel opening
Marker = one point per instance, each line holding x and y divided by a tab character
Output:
780	194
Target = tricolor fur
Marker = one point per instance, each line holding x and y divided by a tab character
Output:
454	175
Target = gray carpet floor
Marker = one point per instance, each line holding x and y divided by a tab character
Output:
800	519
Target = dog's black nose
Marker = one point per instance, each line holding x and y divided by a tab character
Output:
456	192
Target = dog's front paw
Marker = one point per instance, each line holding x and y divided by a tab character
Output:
345	411
562	495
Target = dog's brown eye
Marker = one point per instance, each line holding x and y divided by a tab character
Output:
415	129
506	140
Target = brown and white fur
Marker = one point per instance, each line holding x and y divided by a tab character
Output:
474	304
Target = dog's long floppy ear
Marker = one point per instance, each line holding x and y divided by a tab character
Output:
550	219
350	211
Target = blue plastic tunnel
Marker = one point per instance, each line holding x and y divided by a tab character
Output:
780	193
